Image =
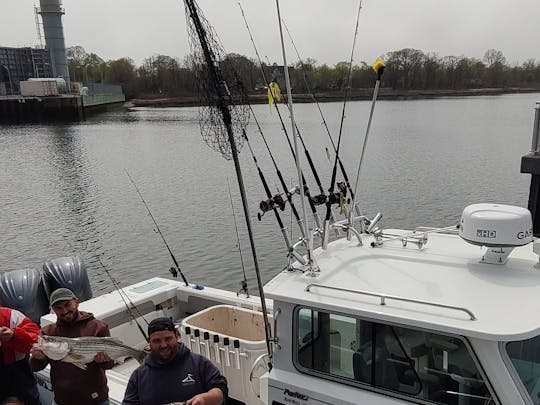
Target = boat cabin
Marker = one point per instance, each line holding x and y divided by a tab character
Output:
395	324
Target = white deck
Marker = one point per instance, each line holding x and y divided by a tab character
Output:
504	298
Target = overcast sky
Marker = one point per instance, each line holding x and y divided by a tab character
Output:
322	29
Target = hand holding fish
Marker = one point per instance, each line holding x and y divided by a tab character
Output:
83	350
213	396
102	357
37	353
6	333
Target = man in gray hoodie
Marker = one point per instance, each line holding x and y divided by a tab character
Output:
172	373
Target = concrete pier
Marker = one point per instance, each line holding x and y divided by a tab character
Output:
64	108
19	110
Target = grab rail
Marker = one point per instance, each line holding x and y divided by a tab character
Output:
384	297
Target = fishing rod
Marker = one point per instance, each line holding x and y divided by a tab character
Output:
309	240
174	270
208	53
378	67
345	98
273	202
278	173
312	200
124	296
313	169
315	99
243	283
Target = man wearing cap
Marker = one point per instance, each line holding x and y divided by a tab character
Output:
17	335
72	385
172	373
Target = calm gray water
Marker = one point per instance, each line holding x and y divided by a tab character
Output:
63	189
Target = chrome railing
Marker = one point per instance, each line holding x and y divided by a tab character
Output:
384	297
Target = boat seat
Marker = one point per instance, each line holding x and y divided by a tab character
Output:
386	374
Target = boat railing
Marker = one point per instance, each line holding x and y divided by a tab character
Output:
383	298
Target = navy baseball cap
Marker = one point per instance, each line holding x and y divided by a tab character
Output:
160	324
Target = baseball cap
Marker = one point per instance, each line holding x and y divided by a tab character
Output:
61	294
160	324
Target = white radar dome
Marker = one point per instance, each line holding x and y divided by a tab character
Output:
496	225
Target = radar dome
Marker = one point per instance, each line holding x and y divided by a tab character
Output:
496	225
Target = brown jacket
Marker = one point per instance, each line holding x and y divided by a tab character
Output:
72	385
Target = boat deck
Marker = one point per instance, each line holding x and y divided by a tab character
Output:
447	271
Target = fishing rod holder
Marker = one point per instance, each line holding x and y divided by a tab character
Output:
347	225
293	253
418	237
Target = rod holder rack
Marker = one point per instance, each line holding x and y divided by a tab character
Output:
419	237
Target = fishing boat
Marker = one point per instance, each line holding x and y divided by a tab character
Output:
376	316
444	316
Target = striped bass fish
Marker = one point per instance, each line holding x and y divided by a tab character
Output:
82	350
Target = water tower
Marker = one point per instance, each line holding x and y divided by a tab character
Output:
51	12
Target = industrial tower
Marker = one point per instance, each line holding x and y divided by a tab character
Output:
51	12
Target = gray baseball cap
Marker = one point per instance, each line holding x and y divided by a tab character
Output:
61	294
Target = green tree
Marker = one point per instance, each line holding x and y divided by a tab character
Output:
122	71
496	65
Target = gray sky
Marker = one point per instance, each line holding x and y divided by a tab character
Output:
322	29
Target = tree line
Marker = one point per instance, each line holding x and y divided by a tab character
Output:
406	69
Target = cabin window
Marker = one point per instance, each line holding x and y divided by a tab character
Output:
525	356
403	361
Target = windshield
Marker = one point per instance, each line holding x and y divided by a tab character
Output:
525	356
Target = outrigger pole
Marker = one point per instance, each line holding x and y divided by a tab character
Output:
378	67
309	240
220	99
334	170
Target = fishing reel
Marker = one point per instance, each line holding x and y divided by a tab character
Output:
339	196
270	204
318	199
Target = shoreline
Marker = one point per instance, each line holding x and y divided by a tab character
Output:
360	94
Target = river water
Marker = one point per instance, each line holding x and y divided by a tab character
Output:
64	190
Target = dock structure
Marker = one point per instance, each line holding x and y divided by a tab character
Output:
18	109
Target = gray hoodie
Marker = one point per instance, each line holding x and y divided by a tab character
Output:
184	376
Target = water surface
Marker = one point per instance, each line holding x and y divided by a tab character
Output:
63	188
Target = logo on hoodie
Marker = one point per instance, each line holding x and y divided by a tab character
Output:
188	380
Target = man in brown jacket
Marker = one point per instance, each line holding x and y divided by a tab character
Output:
72	385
